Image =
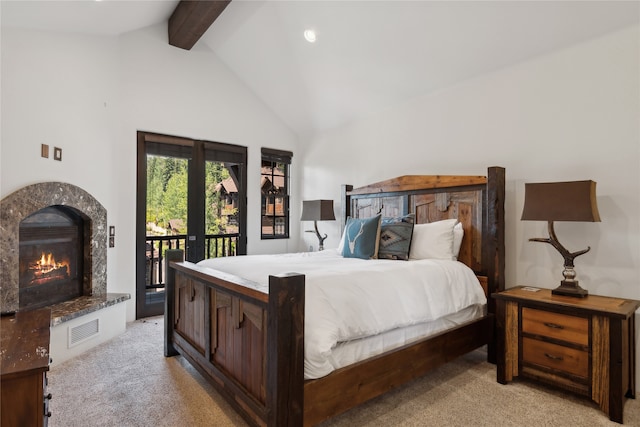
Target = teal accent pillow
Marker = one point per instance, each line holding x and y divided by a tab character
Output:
361	237
395	237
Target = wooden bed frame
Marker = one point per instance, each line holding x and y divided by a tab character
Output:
249	341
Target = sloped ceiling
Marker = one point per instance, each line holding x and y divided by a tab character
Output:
369	55
107	17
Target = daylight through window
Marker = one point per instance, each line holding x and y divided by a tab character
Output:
274	185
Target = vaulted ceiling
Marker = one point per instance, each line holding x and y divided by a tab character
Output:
368	56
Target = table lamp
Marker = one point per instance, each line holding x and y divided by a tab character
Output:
317	210
562	201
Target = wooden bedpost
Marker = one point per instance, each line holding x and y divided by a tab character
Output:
285	351
494	250
170	255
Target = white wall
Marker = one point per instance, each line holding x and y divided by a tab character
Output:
89	96
54	91
570	115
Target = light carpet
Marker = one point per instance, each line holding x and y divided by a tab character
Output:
128	382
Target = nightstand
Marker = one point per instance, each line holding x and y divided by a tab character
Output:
584	345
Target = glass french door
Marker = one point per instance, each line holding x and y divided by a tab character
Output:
191	195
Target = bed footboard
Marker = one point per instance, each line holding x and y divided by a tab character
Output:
247	341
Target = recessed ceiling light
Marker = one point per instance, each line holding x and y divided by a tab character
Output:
310	36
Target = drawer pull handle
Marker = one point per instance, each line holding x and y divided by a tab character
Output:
553	325
552	357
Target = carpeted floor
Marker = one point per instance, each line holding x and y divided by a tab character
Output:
128	382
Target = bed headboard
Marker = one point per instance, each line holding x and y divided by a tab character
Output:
476	201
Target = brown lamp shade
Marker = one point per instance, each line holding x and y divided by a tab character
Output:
561	201
317	210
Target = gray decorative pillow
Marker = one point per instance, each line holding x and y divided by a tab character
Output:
361	237
395	237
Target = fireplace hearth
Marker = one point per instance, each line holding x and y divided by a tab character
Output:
53	247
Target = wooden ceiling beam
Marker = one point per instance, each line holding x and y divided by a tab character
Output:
191	19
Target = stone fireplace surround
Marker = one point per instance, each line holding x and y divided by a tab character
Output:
30	199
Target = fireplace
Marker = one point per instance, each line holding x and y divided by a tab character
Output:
51	257
53	246
53	253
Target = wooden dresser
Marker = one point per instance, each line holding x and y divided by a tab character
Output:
24	362
584	345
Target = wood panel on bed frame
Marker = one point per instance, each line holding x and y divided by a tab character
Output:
248	341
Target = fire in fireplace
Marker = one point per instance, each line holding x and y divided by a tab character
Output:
46	270
51	257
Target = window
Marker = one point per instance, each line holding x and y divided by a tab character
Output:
274	186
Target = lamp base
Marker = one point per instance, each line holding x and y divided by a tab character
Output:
570	289
321	239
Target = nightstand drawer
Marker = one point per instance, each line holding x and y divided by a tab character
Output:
555	356
555	325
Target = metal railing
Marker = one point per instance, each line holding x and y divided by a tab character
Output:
216	245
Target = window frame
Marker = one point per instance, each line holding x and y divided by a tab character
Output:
276	158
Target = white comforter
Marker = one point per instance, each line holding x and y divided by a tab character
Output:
350	298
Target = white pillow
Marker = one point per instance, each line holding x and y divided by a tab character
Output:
341	244
458	234
433	240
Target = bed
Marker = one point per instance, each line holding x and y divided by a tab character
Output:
247	336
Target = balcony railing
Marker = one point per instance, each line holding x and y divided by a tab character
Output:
216	245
